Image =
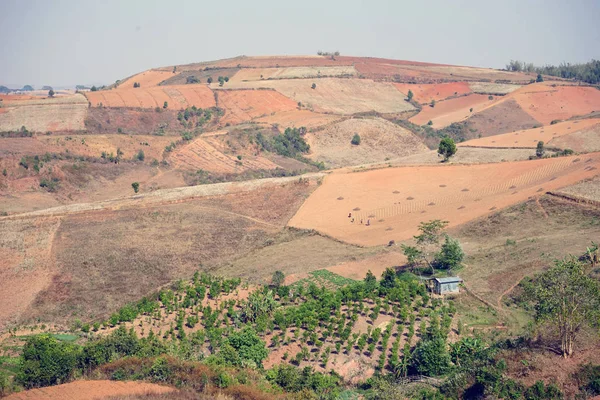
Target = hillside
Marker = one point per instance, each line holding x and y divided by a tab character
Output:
186	209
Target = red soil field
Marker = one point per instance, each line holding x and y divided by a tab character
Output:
424	93
396	200
146	79
454	110
530	137
244	105
180	96
546	103
298	118
87	390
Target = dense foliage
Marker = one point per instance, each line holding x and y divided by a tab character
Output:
588	72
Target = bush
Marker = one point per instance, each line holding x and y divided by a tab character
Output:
192	79
165	105
314	86
140	156
539	150
431	357
135	186
355	139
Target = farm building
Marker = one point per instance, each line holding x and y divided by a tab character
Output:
446	285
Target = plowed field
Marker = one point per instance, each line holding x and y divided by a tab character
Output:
201	155
146	79
336	95
454	110
396	200
244	105
380	140
88	390
546	103
181	96
492	88
298	118
257	74
424	93
530	137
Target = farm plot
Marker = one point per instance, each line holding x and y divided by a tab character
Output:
84	390
201	155
257	74
244	105
146	79
380	140
454	110
460	73
493	88
298	118
546	103
395	200
530	137
45	115
424	93
505	116
582	141
337	95
177	96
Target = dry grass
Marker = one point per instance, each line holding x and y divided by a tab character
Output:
589	189
506	116
492	88
257	74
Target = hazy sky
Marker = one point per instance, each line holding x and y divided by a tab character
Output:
68	42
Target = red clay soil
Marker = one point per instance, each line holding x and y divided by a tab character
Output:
546	103
244	105
454	110
396	200
298	118
181	96
424	93
530	137
146	79
88	390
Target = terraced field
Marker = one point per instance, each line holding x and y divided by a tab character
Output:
396	200
181	96
454	110
245	105
146	79
425	93
257	74
298	118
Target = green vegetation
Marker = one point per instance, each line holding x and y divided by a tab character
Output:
313	86
410	95
588	72
165	105
192	79
539	150
136	84
50	93
447	148
355	139
140	156
135	186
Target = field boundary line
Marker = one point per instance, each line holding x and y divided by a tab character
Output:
575	198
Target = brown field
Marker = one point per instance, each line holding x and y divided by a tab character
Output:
45	115
181	96
298	118
88	390
264	62
458	73
424	93
582	141
257	74
505	116
380	140
180	78
492	88
529	138
588	190
132	121
546	103
396	200
200	154
454	110
146	79
336	95
245	105
465	155
377	265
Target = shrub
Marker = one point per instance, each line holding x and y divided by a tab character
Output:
539	78
136	84
490	97
355	139
410	95
431	357
314	86
165	104
539	150
140	156
192	79
135	186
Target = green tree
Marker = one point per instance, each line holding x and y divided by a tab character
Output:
355	139
410	95
135	186
94	89
140	155
432	103
451	254
566	299
248	347
165	105
427	244
539	150
51	93
314	86
278	278
447	148
209	80
539	78
431	357
47	361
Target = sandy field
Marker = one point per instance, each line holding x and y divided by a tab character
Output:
335	95
257	74
546	103
530	137
298	118
380	140
244	105
454	110
146	79
178	96
424	93
44	114
91	390
396	200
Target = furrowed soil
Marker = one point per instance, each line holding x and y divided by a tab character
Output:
335	95
181	96
257	74
557	135
132	121
506	116
380	140
244	105
396	200
588	190
297	119
424	93
87	390
146	79
454	110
